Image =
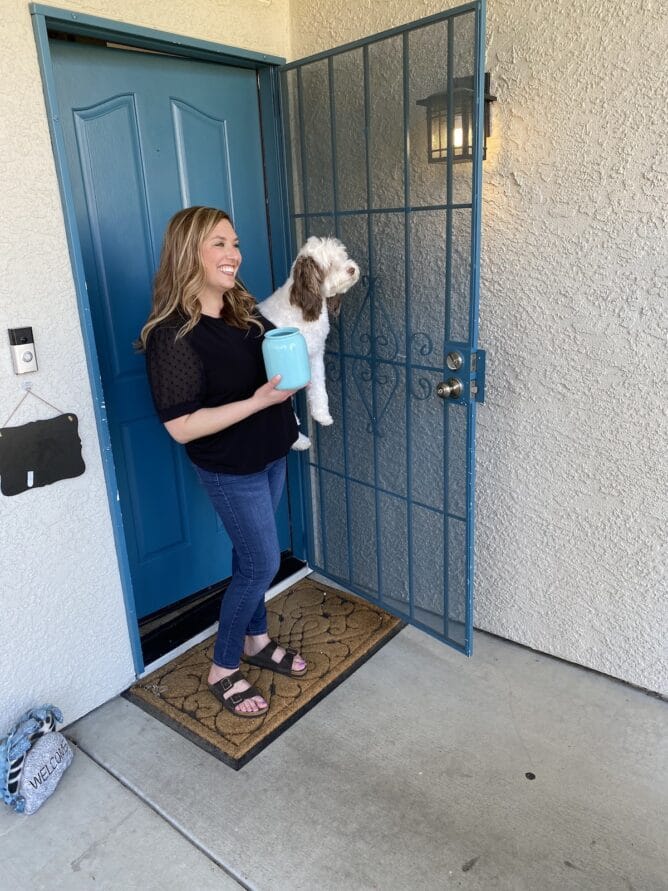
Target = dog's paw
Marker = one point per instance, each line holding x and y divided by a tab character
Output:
325	419
301	443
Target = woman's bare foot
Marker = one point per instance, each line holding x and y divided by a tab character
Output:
254	643
256	704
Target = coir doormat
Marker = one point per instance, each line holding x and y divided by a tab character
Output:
335	632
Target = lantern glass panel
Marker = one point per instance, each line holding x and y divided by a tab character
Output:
458	138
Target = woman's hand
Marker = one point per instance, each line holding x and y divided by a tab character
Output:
267	395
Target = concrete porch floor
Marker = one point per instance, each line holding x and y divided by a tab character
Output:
411	774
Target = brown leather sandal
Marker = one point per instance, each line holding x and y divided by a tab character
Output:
231	702
284	666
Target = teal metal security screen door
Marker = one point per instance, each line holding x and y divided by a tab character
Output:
377	134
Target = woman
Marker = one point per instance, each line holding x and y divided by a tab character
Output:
203	348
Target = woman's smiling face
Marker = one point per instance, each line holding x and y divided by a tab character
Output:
221	258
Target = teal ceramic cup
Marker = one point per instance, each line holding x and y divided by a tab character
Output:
284	352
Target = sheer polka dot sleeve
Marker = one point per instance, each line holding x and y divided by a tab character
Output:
175	374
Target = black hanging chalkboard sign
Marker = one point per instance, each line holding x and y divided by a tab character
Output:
39	453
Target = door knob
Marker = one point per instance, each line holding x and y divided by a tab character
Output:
450	389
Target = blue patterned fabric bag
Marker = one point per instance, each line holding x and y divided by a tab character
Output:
33	758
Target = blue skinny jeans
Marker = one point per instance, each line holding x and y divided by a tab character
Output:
246	504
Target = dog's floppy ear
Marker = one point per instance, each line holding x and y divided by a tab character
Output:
305	293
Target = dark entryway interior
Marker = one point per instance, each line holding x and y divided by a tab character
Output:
166	629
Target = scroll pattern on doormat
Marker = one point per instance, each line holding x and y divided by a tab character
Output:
334	631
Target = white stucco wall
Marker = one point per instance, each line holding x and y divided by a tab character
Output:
63	632
572	474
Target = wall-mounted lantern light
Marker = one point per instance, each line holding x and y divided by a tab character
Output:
461	140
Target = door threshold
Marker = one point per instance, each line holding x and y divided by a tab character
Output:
207	632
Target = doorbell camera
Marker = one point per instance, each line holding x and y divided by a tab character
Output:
22	346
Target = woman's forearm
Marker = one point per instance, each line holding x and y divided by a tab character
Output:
206	421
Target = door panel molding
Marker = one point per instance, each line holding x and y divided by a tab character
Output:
113	122
186	121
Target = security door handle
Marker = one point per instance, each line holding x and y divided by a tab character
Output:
450	389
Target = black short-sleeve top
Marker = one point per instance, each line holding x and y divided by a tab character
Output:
215	364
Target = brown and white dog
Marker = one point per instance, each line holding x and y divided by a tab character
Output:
321	274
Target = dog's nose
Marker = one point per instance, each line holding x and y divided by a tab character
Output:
351	271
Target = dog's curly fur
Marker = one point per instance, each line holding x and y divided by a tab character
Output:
321	273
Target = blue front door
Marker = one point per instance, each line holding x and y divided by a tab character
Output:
147	134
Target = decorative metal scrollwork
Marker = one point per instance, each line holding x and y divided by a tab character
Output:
423	342
422	388
372	332
332	368
385	379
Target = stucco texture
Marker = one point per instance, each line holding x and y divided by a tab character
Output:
570	521
64	628
571	458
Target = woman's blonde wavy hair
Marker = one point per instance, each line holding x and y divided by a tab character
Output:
181	276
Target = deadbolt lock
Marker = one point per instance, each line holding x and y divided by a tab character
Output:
454	360
450	389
